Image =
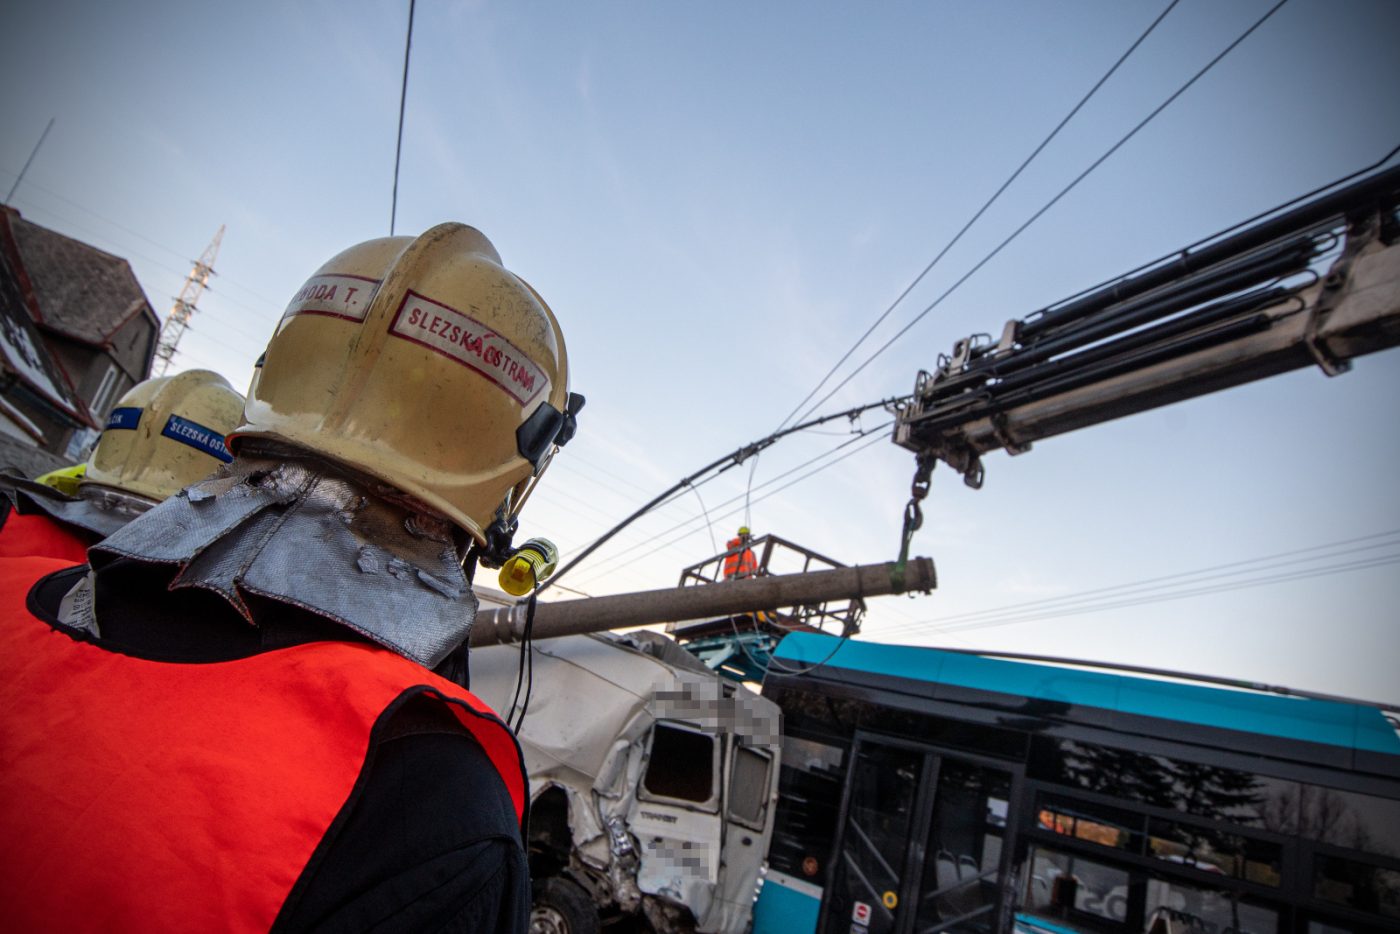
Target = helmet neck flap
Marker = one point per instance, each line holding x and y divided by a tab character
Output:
289	527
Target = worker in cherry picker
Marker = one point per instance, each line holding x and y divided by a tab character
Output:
251	713
739	561
163	435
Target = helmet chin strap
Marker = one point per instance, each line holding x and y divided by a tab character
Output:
499	535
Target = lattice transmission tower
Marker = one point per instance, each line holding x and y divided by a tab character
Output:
179	318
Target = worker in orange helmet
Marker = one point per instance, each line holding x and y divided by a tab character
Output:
739	561
163	435
251	713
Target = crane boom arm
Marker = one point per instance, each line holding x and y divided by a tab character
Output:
1242	308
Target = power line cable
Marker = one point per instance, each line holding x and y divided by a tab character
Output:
719	466
1382	561
1233	568
1052	202
32	153
259	340
982	210
224	279
403	99
706	513
780	489
1237	227
649	540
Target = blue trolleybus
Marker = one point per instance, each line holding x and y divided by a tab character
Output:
925	791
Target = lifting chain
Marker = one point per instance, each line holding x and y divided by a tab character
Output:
913	516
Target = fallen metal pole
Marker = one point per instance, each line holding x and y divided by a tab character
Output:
710	601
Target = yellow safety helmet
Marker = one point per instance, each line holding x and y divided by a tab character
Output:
743	530
165	434
425	363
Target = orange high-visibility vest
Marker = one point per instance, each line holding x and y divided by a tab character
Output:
41	536
739	563
140	795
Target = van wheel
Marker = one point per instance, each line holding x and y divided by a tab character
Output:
562	907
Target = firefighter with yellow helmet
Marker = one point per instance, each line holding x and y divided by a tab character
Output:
288	638
163	435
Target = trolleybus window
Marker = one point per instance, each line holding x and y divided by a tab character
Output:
809	796
1357	885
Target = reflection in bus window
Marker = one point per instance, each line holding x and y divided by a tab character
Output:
963	852
1214	792
1355	821
884	781
1095	823
811	778
1192	908
1357	885
1214	851
1319	927
1061	884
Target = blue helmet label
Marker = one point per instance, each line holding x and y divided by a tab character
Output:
197	436
127	418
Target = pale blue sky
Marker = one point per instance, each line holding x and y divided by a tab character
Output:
716	199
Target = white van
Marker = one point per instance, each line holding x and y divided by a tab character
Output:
652	782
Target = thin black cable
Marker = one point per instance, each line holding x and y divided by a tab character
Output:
1235	228
1126	593
527	661
714	543
1052	202
178	254
982	210
1325	571
650	541
32	153
682	537
1263	563
403	99
719	466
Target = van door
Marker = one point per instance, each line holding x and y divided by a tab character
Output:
750	785
676	816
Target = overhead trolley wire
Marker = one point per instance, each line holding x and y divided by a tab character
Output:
1176	586
650	540
403	99
1233	568
1359	565
258	340
811	473
224	279
982	210
713	469
1051	203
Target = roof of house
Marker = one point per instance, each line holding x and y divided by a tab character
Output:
82	292
23	351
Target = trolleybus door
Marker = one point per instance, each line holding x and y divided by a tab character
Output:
920	849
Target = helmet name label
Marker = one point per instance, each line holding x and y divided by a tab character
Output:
335	296
197	436
466	340
126	417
